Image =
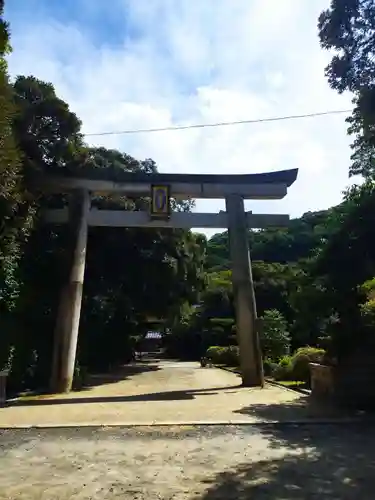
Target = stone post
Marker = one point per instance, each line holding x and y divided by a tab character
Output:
66	333
243	292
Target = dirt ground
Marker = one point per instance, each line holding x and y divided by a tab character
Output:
185	463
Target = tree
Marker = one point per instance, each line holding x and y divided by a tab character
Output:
283	276
10	191
47	132
14	218
368	307
297	241
312	313
344	263
274	336
347	261
10	195
348	27
274	284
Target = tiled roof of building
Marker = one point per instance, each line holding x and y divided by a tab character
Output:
153	335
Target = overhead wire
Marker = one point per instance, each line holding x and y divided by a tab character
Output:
218	124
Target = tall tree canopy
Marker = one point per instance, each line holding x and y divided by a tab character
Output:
346	261
13	224
9	156
348	27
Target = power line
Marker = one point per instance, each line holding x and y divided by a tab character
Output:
220	124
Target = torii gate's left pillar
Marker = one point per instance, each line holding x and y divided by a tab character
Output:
67	326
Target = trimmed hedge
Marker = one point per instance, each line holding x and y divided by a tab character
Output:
224	355
283	369
269	367
301	359
296	367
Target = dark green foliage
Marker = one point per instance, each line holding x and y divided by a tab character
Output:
318	294
348	260
345	262
269	367
296	367
274	335
283	369
46	133
367	309
228	356
348	29
300	362
14	210
283	275
284	246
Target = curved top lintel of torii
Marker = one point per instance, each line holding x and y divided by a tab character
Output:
268	185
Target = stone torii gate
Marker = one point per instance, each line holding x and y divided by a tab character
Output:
161	188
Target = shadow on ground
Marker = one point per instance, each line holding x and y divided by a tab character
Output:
299	409
156	396
92	380
316	462
122	373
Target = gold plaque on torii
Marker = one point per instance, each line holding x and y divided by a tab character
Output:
160	206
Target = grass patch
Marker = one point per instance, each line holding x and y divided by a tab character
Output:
291	384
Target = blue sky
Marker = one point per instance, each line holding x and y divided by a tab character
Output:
129	64
94	19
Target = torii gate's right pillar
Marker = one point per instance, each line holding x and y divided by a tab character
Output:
244	295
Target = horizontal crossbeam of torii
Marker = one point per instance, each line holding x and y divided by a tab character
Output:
233	188
183	220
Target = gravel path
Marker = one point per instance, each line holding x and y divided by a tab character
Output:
159	393
186	463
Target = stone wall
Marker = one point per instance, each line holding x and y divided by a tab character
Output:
322	380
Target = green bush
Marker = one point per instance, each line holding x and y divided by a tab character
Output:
368	313
283	369
215	353
269	367
296	367
285	361
224	355
301	359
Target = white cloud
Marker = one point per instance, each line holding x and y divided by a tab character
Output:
194	62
